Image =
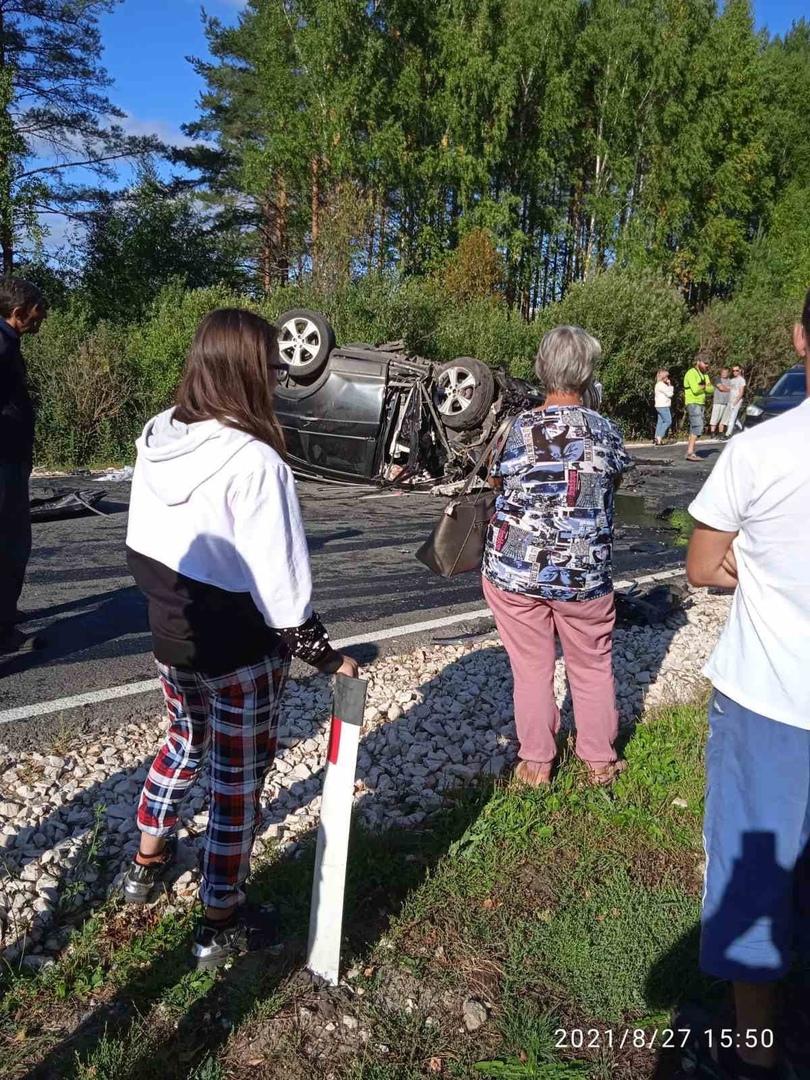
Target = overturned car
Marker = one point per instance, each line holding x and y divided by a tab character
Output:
366	413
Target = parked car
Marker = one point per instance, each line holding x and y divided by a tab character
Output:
376	413
787	392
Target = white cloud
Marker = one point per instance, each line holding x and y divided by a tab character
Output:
166	132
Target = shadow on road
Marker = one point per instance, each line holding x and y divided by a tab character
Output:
121	613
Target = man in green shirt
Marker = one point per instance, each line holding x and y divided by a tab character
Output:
698	387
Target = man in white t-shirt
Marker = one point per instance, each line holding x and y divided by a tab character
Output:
753	535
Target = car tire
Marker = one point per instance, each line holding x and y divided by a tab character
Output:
305	340
463	392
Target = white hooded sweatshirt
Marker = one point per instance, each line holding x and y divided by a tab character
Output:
219	507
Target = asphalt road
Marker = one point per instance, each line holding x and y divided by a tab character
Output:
362	541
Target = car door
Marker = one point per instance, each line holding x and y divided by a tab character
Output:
332	426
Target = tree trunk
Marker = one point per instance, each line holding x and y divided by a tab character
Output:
315	170
371	232
282	217
383	249
273	259
6	138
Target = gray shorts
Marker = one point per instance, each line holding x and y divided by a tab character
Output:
696	419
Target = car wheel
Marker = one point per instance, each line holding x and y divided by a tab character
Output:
305	340
463	393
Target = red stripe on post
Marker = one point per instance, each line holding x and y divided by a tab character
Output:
334	741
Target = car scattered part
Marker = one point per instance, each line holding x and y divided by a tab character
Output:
59	505
464	392
305	340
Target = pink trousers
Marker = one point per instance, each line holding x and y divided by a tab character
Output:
527	628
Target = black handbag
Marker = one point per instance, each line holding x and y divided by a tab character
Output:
457	543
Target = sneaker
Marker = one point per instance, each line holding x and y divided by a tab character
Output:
248	930
140	880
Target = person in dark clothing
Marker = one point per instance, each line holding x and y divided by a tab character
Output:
22	311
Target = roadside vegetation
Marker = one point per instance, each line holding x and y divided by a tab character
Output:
461	176
471	945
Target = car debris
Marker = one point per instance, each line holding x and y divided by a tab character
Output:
115	476
53	505
636	606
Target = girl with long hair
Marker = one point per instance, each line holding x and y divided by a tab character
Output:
216	543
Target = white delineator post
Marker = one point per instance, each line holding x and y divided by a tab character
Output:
328	887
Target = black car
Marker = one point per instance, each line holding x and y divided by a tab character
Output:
787	392
365	413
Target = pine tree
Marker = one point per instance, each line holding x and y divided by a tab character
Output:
55	117
140	240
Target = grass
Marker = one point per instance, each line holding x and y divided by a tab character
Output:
683	524
558	909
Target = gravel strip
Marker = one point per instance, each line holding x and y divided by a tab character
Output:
437	718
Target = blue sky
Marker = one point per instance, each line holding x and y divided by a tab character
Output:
147	41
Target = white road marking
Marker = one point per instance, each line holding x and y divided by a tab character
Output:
397	495
112	693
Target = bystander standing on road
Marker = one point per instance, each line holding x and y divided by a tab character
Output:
719	401
547	562
664	391
736	395
22	311
697	386
216	542
751	535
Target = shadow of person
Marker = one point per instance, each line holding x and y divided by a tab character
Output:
120	614
740	934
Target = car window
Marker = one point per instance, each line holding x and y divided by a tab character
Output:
791	384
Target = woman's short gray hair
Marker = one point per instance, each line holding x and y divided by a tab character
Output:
566	358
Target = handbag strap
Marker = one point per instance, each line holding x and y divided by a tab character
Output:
494	448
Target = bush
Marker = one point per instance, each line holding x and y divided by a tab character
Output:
158	346
475	270
83	387
643	325
754	327
754	331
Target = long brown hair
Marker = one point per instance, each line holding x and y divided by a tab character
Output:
227	375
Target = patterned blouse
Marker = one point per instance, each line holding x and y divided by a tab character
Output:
552	532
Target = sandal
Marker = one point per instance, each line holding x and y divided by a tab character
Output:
692	457
533	773
604	775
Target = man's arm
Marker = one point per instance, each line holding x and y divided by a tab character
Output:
710	560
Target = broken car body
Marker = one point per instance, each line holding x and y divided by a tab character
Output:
364	413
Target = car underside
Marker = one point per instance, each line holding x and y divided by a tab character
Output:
377	414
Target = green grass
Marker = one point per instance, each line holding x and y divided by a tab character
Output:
558	908
684	525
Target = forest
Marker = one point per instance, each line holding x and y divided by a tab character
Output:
460	173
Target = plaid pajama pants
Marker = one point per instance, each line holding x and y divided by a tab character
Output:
235	717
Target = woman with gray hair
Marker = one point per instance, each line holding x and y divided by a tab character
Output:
547	563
